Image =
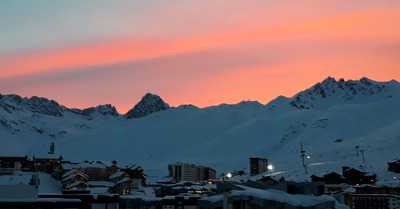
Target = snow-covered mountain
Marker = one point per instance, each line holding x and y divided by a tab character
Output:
330	119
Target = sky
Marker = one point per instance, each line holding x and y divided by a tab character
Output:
200	52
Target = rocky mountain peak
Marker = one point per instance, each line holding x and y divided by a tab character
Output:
35	104
150	103
341	89
107	109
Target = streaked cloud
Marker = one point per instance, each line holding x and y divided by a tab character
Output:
198	52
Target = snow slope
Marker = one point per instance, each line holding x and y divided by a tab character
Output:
330	119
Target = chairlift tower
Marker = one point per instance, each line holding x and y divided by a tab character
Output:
357	149
302	155
362	153
52	146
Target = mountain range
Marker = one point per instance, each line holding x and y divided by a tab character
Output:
329	120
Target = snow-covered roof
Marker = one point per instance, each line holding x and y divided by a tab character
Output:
116	174
76	183
123	180
42	200
69	166
90	165
47	156
67	173
200	187
99	190
195	187
281	196
73	176
74	171
214	198
154	176
185	196
101	183
48	185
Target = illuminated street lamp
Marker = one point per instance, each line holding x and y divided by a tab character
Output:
229	175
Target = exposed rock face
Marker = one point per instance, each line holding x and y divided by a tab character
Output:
332	89
150	103
102	109
34	104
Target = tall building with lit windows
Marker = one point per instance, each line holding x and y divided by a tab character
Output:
190	172
258	165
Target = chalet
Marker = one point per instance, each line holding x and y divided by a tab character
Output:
74	177
349	176
394	166
123	183
356	177
99	175
123	186
48	165
264	182
95	171
134	172
74	174
19	163
330	178
77	180
269	179
117	176
77	185
166	180
99	190
109	169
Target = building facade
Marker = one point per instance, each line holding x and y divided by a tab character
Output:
190	172
258	165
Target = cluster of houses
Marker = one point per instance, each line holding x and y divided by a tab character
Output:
80	177
96	184
91	175
350	176
27	163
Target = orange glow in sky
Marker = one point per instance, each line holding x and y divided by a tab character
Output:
196	52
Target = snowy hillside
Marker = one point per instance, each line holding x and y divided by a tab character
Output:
330	119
